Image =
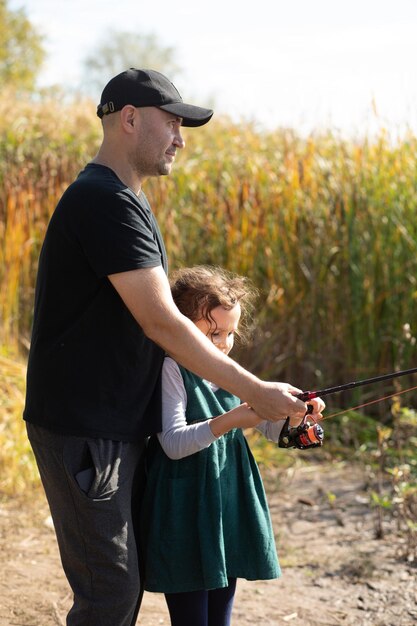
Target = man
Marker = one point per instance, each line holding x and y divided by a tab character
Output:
104	317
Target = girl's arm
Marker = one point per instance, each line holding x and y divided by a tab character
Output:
271	430
179	439
244	417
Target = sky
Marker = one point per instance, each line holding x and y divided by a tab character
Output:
348	65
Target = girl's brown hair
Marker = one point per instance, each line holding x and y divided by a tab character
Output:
200	289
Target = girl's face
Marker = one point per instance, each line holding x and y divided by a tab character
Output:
222	330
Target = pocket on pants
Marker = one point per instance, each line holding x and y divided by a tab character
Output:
96	473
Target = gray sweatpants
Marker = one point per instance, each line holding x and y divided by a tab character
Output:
93	487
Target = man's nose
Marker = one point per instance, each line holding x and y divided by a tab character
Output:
179	141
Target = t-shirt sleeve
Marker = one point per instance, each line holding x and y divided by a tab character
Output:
119	234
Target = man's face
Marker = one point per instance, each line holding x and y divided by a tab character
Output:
158	137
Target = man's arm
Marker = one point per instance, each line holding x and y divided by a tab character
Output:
147	295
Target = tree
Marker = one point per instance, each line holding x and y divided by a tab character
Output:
119	51
21	50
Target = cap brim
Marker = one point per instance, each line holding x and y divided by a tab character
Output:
191	115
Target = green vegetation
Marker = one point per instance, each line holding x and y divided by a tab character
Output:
21	50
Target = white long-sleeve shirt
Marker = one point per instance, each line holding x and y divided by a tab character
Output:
179	439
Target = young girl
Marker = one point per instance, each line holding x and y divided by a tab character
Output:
205	517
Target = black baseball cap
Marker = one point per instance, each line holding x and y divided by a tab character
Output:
148	88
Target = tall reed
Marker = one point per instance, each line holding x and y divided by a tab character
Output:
324	226
42	147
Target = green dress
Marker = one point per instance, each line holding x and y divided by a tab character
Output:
205	517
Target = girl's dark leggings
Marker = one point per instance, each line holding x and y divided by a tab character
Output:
202	608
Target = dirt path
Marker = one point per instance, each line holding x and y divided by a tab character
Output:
334	571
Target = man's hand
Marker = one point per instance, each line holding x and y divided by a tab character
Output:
277	401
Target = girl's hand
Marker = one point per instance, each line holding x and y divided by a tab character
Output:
245	416
241	416
318	406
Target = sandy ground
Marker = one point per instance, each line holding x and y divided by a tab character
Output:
334	570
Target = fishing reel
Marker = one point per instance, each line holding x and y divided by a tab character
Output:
305	435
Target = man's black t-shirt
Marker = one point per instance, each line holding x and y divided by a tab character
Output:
92	371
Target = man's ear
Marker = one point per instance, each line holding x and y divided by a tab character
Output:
128	117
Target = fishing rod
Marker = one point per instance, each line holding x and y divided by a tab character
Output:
309	395
307	435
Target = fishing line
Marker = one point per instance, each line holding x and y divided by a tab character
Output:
360	406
